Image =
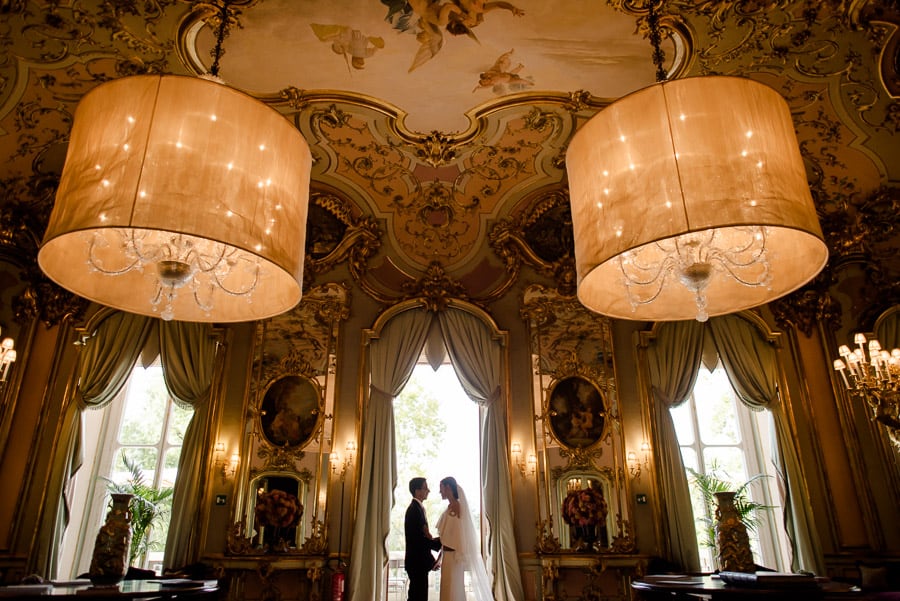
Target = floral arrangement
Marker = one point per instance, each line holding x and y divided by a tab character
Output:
584	507
278	509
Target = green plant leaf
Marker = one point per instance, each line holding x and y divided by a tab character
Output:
149	505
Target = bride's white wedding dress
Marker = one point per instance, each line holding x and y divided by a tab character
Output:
458	533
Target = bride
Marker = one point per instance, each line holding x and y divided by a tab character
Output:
461	550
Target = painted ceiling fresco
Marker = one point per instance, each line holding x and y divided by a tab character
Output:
434	60
439	127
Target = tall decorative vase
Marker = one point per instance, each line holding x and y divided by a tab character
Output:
110	559
731	536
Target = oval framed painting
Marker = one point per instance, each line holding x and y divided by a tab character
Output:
577	412
290	411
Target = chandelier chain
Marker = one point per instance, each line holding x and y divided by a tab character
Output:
655	35
221	33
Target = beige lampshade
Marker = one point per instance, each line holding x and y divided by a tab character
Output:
690	199
181	198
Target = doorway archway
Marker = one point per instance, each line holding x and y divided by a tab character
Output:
477	349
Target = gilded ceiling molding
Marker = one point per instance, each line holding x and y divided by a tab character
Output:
859	229
437	149
435	288
864	230
24	211
539	235
434	220
335	234
798	41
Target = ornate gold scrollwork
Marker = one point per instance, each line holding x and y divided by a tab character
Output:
546	541
437	149
624	541
540	236
338	234
317	541
237	542
21	224
436	288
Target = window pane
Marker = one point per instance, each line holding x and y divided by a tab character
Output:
689	458
170	467
145	406
684	426
140	458
726	463
715	402
178	423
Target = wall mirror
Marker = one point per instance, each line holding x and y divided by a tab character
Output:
259	505
604	483
577	431
288	433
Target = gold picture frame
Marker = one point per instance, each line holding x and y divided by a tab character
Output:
290	413
576	412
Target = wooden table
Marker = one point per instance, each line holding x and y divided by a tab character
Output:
671	587
126	590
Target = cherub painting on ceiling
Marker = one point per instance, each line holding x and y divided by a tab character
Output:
353	44
502	78
428	19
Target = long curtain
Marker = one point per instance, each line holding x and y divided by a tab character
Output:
104	365
392	358
751	364
477	361
187	354
674	362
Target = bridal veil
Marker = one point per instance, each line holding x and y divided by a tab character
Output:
470	552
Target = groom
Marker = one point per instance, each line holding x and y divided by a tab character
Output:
419	542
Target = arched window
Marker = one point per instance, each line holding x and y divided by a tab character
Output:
476	349
750	357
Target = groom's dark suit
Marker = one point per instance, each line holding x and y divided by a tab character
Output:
419	560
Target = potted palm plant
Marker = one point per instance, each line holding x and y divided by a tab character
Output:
149	506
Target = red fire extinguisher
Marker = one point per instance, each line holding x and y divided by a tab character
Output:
338	581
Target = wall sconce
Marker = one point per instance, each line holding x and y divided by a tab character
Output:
524	467
7	357
337	464
225	467
635	465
